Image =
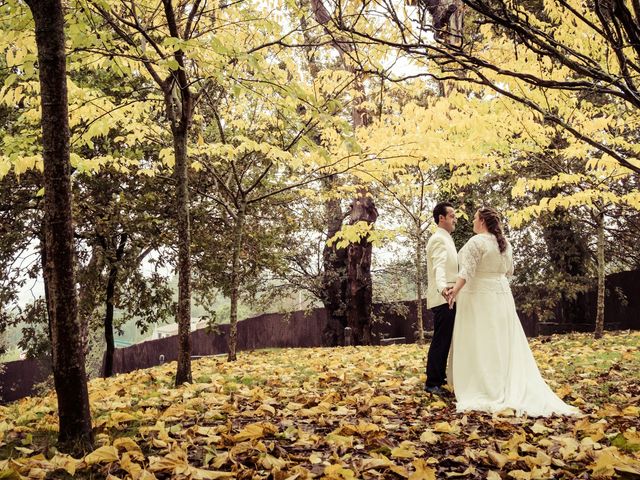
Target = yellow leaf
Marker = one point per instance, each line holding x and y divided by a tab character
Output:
473	436
105	454
250	432
609	460
443	427
267	408
429	437
146	475
127	444
422	471
493	475
381	400
520	475
65	462
132	468
467	473
498	459
338	472
122	417
632	436
272	463
400	452
202	474
437	405
377	462
564	391
540	427
25	450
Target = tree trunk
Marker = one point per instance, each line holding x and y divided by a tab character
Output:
235	282
183	373
334	275
70	380
601	278
360	289
334	260
420	326
360	284
108	318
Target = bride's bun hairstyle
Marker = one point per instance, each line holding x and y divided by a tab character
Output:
491	219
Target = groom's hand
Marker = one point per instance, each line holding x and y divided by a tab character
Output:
449	295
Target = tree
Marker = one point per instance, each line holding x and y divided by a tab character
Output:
529	50
66	333
257	155
132	26
121	222
347	272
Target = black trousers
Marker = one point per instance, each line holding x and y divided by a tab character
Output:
443	318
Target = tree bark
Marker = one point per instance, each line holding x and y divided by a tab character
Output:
235	282
599	331
179	106
334	278
69	375
334	260
108	318
183	373
360	288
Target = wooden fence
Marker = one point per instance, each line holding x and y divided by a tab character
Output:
304	329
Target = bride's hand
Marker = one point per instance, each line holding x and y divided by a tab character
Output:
451	297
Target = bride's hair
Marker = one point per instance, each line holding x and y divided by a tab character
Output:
491	219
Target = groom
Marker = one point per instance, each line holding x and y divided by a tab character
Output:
442	269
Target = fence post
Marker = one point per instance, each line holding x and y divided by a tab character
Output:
348	336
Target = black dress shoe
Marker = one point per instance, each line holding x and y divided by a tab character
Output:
436	390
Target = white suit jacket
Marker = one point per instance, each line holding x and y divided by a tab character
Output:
442	266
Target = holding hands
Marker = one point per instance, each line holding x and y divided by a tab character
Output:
450	294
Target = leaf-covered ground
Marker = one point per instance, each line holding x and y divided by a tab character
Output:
340	413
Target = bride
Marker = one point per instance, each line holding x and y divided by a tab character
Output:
491	364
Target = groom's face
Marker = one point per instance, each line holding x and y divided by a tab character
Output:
448	222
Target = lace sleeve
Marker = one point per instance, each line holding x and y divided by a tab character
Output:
509	259
469	257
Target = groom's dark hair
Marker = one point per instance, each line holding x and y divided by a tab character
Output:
440	209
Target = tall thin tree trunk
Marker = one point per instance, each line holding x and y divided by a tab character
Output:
108	318
183	373
601	278
235	282
69	375
418	256
108	323
179	105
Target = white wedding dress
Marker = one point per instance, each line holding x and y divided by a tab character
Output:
491	365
